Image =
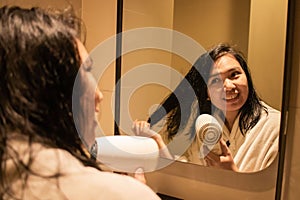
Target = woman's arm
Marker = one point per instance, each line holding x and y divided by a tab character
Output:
142	128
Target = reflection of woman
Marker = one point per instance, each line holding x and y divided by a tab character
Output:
42	155
222	86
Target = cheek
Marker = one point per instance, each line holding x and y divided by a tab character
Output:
215	92
215	99
245	92
216	96
244	88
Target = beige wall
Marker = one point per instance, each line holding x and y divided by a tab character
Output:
266	48
211	22
100	20
140	14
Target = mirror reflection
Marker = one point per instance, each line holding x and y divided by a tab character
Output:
217	108
246	102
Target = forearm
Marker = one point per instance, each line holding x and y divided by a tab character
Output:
163	149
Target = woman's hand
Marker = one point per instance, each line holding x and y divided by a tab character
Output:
140	176
142	128
224	161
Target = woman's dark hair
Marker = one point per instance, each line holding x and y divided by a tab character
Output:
178	105
39	62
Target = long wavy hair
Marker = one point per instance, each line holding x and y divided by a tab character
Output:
39	62
193	89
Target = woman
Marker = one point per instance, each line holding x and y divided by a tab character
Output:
42	155
220	84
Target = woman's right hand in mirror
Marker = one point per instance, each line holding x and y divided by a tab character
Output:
142	128
224	161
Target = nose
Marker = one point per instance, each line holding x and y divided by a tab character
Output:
228	85
98	99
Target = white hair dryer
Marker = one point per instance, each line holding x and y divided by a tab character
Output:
208	133
126	153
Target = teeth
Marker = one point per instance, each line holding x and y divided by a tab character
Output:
231	96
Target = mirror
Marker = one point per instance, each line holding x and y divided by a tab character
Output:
149	74
257	31
258	28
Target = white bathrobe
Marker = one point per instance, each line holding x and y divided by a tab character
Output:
260	146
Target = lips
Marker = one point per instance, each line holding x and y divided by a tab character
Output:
231	95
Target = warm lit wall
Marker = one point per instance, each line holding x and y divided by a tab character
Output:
100	21
266	48
140	14
212	22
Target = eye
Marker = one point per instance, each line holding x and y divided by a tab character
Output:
88	64
235	74
214	81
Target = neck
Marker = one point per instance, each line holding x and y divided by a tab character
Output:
230	118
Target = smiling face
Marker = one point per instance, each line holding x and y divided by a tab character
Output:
227	85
